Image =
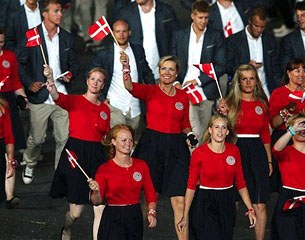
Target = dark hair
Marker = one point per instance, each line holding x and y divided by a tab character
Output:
200	6
170	58
2	30
299	6
260	12
294	63
45	4
112	134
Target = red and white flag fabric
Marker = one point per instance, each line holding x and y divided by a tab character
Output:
33	37
72	158
3	82
294	203
297	95
194	93
208	69
228	31
100	29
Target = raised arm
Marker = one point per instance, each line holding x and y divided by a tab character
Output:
48	72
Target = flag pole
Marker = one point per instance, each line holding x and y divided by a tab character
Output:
43	55
217	83
74	160
114	38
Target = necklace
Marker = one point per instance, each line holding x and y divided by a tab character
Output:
172	89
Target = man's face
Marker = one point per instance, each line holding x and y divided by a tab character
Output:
200	20
121	32
300	15
256	26
54	14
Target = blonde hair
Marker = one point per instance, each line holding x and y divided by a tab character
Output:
233	99
112	134
230	138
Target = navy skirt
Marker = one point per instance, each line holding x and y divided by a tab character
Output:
289	224
70	182
2	171
121	223
255	168
213	214
167	156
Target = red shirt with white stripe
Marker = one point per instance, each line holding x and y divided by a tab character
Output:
6	131
87	121
216	170
292	167
120	185
253	119
9	68
166	114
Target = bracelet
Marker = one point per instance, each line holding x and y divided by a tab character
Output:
190	134
152	212
290	129
13	162
284	114
270	162
250	210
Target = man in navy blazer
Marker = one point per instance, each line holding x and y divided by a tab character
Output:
255	46
292	45
165	24
124	108
210	46
18	25
58	47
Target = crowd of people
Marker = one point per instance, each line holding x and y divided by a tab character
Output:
134	128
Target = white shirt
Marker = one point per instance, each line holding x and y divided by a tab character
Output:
117	94
33	17
303	37
21	2
194	56
149	39
53	60
256	54
231	14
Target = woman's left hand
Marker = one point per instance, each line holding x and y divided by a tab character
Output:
152	220
10	169
252	219
93	185
270	168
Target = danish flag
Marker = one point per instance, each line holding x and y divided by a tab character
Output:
33	37
298	95
208	69
294	203
228	31
194	93
72	158
3	81
99	30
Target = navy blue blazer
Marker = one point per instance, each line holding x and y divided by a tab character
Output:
165	21
105	59
213	51
291	47
237	53
31	64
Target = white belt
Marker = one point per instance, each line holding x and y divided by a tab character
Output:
248	135
296	189
223	188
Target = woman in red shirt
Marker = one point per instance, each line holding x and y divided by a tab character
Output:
217	166
247	107
163	144
120	181
7	167
89	122
288	217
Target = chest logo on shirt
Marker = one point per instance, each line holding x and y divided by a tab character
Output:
137	176
103	115
230	160
5	64
179	106
258	110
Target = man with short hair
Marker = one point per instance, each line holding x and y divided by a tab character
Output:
58	46
255	46
124	108
200	43
152	25
293	45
